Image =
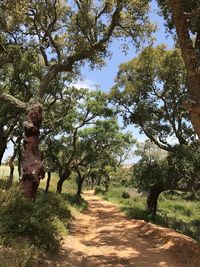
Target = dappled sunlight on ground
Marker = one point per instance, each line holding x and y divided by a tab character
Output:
103	236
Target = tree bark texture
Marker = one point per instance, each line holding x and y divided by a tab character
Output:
32	165
192	62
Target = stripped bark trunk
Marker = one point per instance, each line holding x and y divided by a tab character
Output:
33	168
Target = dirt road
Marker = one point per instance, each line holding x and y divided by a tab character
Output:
103	236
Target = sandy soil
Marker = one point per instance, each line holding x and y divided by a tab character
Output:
103	236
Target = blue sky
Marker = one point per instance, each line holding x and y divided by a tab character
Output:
105	77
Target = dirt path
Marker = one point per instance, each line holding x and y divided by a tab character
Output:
103	236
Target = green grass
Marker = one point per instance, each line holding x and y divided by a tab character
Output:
5	171
69	186
28	230
175	209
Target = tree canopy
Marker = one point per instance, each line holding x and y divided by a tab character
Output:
149	92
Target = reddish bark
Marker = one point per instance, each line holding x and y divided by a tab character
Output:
191	58
33	167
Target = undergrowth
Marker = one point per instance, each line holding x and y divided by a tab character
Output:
29	231
42	223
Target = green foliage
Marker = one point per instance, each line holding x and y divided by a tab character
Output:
184	166
90	138
34	27
145	174
122	176
42	223
3	184
179	170
149	93
125	194
99	189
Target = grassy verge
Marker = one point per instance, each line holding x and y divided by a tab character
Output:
176	210
30	230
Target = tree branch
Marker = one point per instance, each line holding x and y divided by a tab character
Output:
67	64
182	29
11	100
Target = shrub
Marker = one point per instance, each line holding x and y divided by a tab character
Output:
125	194
3	184
21	255
38	222
99	190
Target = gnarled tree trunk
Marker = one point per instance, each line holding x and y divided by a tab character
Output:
33	168
63	175
152	199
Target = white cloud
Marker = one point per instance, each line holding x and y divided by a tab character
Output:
85	84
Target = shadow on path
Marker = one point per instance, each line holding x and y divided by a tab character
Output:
103	236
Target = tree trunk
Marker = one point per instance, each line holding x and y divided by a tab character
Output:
193	106
3	144
19	162
33	168
59	186
12	168
152	199
191	58
11	161
79	184
48	181
106	182
63	175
